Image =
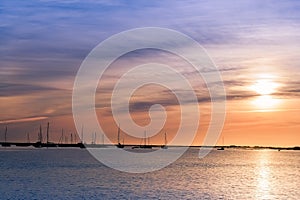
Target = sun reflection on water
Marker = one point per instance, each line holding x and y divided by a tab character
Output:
263	175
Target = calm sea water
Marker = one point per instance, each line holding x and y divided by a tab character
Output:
74	174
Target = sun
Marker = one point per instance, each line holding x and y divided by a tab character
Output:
264	87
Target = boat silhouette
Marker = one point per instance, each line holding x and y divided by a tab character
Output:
119	145
222	147
165	145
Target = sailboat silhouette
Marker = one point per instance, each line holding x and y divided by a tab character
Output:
222	147
119	145
165	145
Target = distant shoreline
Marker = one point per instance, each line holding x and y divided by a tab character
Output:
83	145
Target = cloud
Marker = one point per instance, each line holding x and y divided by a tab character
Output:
290	89
27	119
22	89
144	106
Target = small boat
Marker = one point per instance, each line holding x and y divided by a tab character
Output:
146	147
222	147
81	145
5	144
37	145
23	144
119	145
165	145
142	147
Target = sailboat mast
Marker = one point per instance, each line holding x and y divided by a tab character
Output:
61	140
119	145
41	135
48	133
145	140
28	138
82	141
166	142
5	134
119	134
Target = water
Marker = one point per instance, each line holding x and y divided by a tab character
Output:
74	174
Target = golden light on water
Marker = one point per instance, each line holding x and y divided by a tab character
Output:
263	173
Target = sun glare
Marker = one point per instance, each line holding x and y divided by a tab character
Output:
265	87
265	102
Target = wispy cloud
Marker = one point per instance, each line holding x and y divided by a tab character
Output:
28	119
10	89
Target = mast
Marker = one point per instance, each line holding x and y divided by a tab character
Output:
166	142
61	139
166	139
222	146
71	138
119	134
28	138
41	135
119	145
145	139
94	138
5	135
82	134
38	138
48	133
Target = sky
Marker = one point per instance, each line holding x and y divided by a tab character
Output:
254	44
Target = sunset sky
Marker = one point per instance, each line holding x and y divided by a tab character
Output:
255	45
